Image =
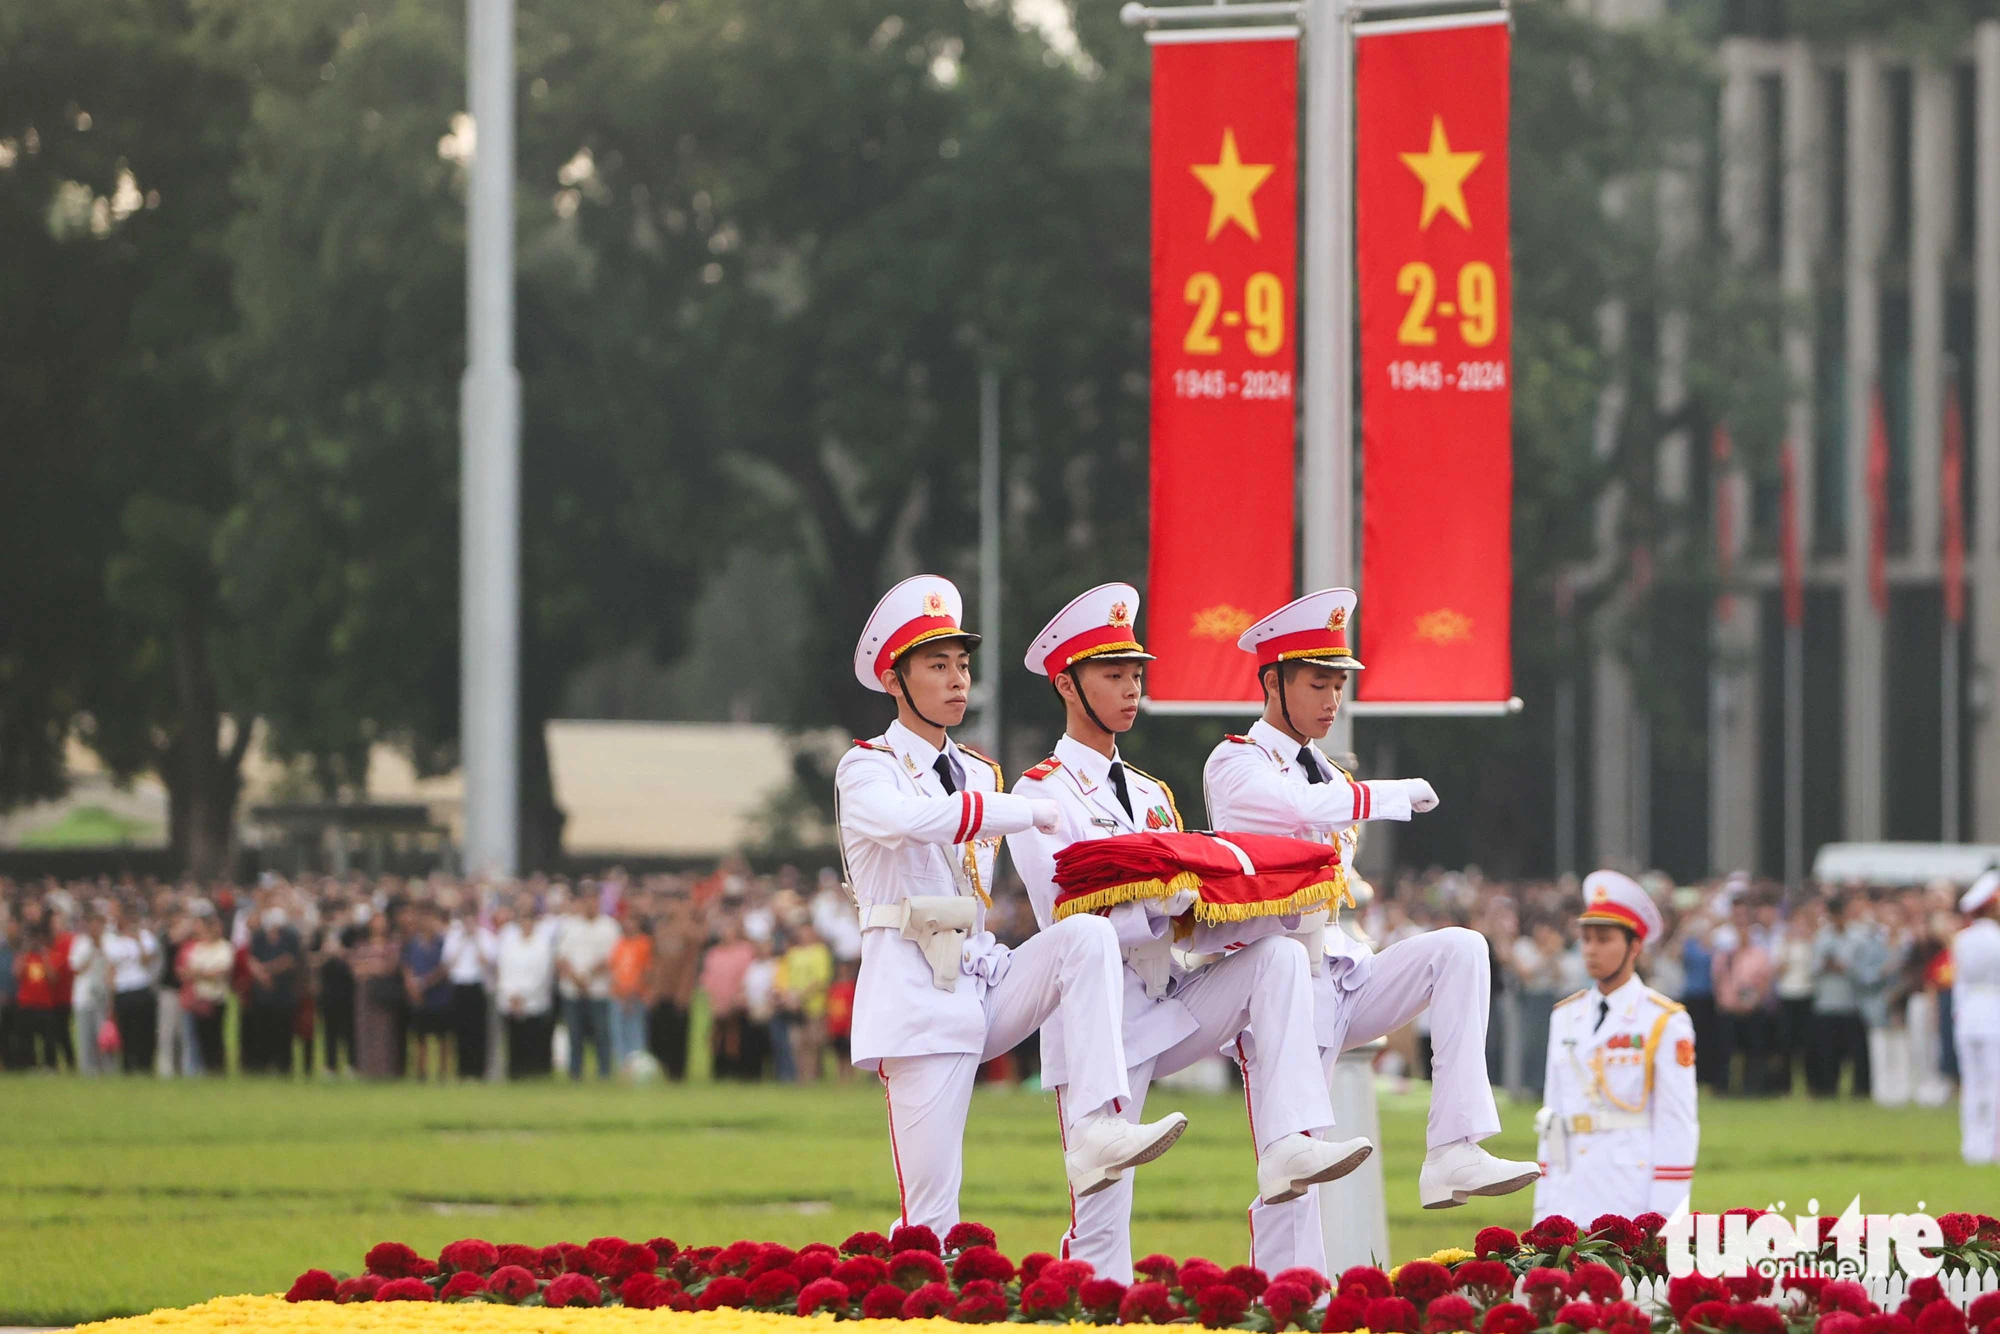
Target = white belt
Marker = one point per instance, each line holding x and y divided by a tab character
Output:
937	923
1588	1123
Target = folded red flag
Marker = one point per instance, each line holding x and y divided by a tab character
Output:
1235	876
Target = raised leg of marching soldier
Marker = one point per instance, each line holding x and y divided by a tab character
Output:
1276	780
1447	971
1091	655
1072	969
1264	986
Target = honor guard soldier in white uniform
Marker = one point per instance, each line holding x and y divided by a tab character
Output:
1173	1018
1275	780
1618	1126
920	820
1975	1020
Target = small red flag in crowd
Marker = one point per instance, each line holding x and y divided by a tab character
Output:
1878	503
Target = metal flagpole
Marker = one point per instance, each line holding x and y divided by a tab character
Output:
490	451
989	560
1328	377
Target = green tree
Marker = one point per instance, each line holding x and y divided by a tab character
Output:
349	274
930	194
116	145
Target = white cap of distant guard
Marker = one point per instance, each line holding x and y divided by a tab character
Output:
914	612
1312	629
1095	626
1982	892
1617	900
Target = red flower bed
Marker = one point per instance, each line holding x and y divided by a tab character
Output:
1570	1280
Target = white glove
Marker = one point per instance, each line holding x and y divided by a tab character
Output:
1173	905
1423	797
985	957
1048	815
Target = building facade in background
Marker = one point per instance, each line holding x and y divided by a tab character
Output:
1865	180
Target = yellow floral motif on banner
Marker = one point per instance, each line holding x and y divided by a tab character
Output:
1222	622
1445	626
274	1315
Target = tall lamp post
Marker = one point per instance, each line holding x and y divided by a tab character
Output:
490	452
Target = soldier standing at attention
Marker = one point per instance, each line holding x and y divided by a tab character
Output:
1618	1123
1975	1020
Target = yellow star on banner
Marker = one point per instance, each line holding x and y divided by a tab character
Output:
1443	173
1231	181
1444	626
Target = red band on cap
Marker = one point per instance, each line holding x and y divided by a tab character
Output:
1615	914
907	636
1304	643
1097	639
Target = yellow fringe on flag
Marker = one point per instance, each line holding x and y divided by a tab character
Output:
1134	891
1331	892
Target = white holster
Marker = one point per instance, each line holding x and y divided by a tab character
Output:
1554	1133
938	923
1154	963
1312	934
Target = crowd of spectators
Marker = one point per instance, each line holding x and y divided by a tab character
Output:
1825	989
430	978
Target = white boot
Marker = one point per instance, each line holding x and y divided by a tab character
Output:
1103	1146
1455	1172
1298	1160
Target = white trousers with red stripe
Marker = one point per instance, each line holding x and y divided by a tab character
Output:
1073	966
1266	985
1448	971
1978	1097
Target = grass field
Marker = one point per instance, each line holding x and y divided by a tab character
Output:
121	1196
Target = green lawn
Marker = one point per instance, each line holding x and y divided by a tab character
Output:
91	827
120	1196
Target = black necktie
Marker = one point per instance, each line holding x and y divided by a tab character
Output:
943	767
1603	1008
1313	775
1118	786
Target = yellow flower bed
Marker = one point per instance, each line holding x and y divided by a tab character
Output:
277	1315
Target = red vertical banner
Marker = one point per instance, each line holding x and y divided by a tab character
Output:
1225	237
1878	504
1435	286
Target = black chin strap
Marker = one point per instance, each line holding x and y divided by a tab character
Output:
1083	699
1284	704
903	679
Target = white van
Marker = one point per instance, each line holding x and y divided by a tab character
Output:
1898	864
